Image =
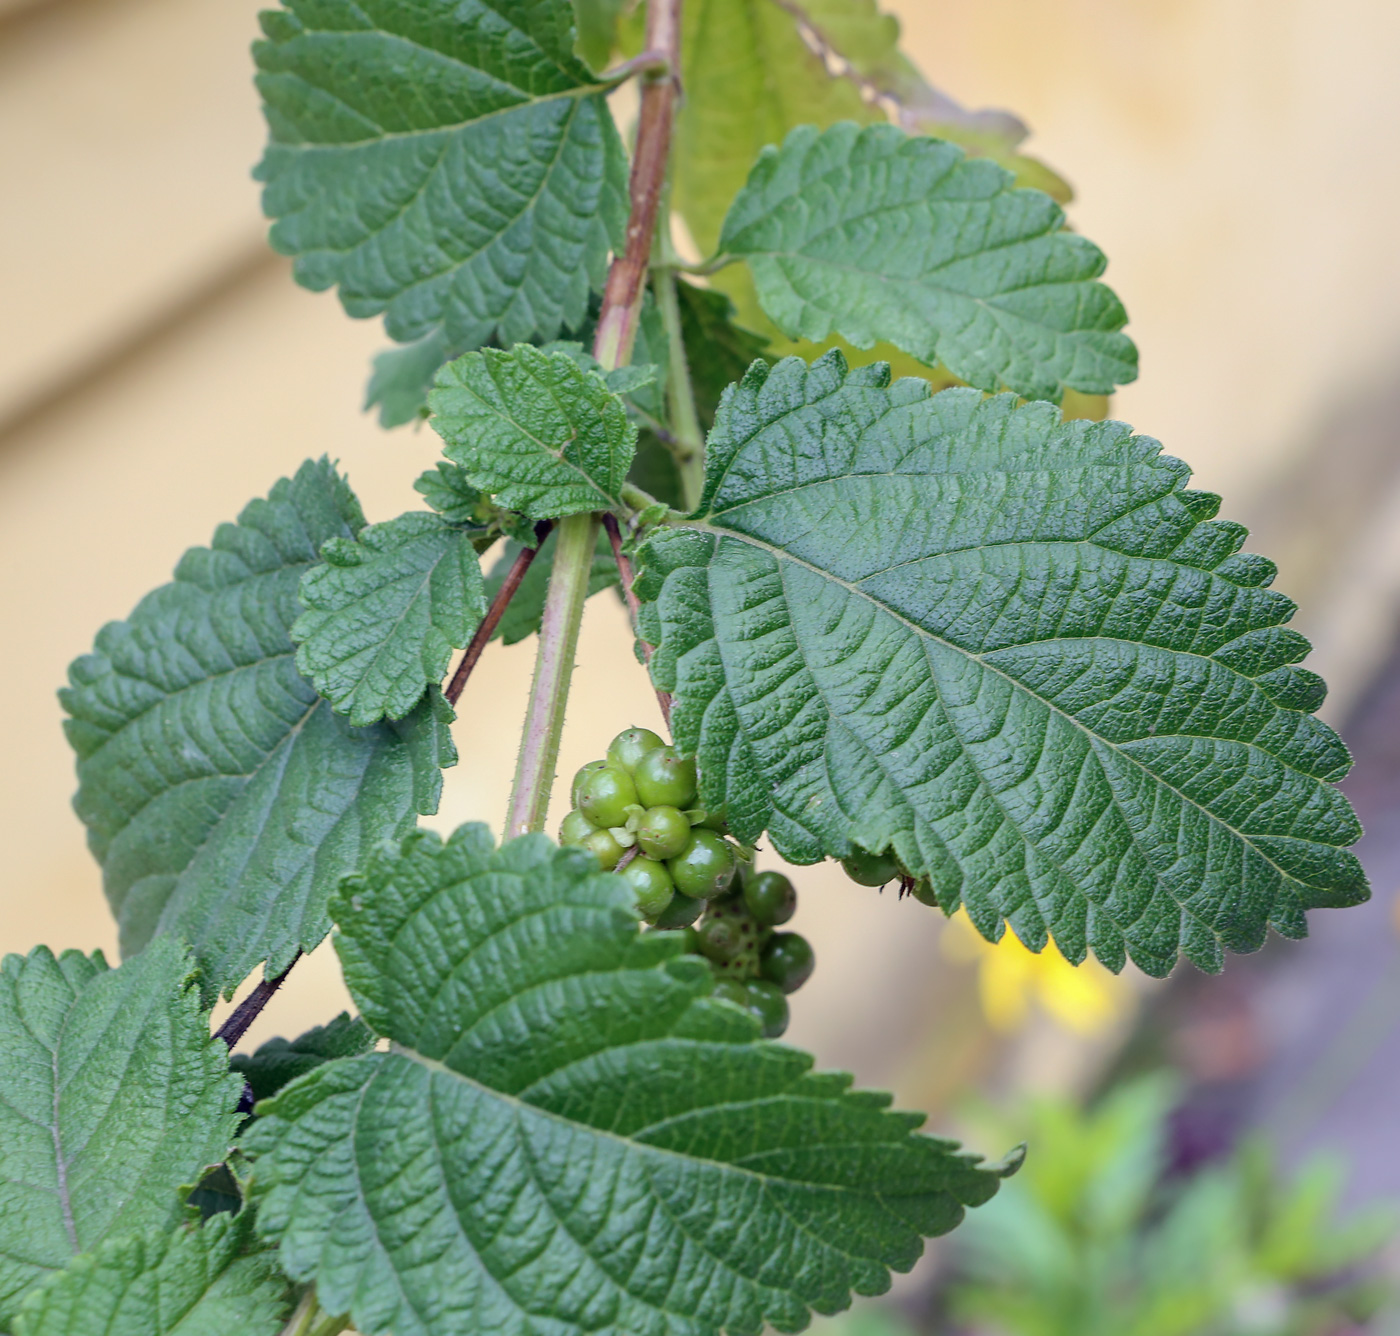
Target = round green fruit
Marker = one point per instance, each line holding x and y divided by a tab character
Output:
680	913
705	868
766	1001
665	779
732	990
867	869
771	897
719	939
787	961
629	746
602	845
651	884
605	795
575	828
582	774
663	832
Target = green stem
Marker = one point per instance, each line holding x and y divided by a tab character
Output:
685	421
574	544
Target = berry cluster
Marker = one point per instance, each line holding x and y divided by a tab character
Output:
634	811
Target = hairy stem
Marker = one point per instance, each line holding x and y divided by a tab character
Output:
612	346
248	1010
482	637
680	394
554	666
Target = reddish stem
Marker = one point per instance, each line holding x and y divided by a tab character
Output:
248	1010
624	570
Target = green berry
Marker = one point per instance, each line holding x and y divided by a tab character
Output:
787	961
603	845
575	828
867	869
651	884
583	772
705	867
662	832
665	779
605	795
629	746
680	913
766	1001
719	939
924	893
732	991
771	897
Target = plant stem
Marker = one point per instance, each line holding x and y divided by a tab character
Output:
554	666
685	421
612	346
494	613
624	571
248	1010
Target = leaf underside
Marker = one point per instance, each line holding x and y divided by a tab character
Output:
544	435
569	1134
449	163
873	234
163	1283
1015	650
112	1095
385	612
223	797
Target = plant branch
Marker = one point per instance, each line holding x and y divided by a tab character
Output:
680	393
624	571
494	613
248	1010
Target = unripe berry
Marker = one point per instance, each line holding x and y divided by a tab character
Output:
665	779
629	746
771	897
680	913
580	775
867	869
766	1001
604	847
705	867
605	795
719	939
575	828
787	961
651	884
663	832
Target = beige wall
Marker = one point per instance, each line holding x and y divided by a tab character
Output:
1235	157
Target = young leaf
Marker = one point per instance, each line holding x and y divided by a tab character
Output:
385	612
447	490
522	615
181	1282
282	1060
449	163
570	1134
872	234
1016	650
545	436
112	1095
223	797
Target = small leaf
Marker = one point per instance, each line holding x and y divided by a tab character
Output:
522	615
570	1134
1013	649
112	1096
282	1060
448	163
191	1282
872	234
546	437
385	612
401	378
447	490
223	797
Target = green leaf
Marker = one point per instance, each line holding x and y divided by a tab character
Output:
282	1060
872	234
401	378
718	349
547	437
597	30
570	1135
1013	649
112	1095
522	615
447	490
385	612
223	797
194	1282
749	79
450	163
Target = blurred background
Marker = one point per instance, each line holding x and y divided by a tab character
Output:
1237	160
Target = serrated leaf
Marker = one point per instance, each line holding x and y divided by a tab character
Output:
749	79
384	613
282	1060
194	1282
570	1134
223	797
873	234
449	163
521	618
112	1095
1016	650
546	437
447	490
401	378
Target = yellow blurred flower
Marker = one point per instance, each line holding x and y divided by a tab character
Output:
1012	979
